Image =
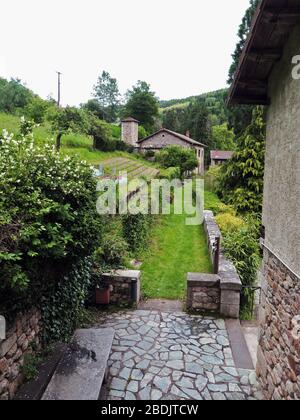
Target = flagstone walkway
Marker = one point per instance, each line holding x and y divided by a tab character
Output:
173	356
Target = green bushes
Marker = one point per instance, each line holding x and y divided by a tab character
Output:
228	222
175	156
136	230
62	306
241	246
113	252
48	225
241	180
170	173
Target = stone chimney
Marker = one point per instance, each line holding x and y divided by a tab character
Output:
188	133
130	131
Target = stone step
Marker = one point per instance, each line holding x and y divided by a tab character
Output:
81	372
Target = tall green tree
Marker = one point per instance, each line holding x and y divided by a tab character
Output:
240	116
142	104
13	95
223	138
241	179
107	93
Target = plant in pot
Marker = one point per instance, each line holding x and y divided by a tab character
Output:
110	256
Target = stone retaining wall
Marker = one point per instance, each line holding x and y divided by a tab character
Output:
125	286
220	292
278	364
24	332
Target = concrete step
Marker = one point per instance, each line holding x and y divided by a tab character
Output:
82	370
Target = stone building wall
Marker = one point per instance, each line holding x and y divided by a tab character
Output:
20	336
278	364
130	133
125	286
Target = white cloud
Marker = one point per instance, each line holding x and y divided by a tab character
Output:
180	47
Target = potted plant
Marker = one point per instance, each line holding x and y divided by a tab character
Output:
102	295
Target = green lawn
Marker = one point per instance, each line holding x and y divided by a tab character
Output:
175	250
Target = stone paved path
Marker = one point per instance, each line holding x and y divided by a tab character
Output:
173	356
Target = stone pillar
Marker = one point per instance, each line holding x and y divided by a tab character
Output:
130	131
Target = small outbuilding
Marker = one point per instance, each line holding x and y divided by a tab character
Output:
219	157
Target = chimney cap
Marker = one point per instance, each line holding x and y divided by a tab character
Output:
130	119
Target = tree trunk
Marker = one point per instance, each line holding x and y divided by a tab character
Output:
58	141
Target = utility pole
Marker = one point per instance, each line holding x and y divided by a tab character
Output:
58	87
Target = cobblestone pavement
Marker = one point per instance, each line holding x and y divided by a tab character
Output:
173	356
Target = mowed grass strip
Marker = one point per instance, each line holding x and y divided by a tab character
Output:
175	249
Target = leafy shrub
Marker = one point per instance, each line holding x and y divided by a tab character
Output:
30	368
48	223
214	204
227	222
175	156
241	179
136	230
212	179
63	307
37	109
142	132
242	248
113	251
170	173
150	154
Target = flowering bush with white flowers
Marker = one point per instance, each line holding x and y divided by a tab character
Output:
48	220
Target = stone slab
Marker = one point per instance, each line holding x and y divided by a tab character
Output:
81	372
203	280
240	351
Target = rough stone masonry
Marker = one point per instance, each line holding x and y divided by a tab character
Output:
20	336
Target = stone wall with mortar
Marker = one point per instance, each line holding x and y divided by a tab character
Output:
230	283
125	286
203	292
23	333
278	364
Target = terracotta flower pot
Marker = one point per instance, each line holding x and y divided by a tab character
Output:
102	296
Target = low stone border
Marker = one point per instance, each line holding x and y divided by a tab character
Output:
220	292
125	286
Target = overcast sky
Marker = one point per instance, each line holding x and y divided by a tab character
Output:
180	47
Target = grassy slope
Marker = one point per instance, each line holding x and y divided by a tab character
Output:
72	144
175	250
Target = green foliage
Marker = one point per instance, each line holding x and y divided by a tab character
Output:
37	109
214	204
113	252
142	132
239	117
107	93
241	246
142	104
63	305
215	102
197	121
176	156
30	368
228	222
211	178
241	179
14	95
223	138
68	120
136	230
48	220
170	173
